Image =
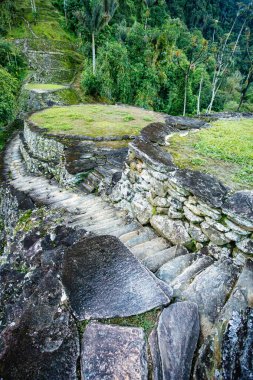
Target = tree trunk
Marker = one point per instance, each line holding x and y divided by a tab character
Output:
185	92
93	54
65	9
245	88
33	5
199	95
223	66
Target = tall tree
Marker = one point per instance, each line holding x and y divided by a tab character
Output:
95	15
149	4
225	56
33	5
196	50
247	56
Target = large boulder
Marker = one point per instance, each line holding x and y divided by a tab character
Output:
104	280
152	155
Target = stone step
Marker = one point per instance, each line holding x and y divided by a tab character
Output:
169	271
123	230
107	228
91	219
142	251
141	236
160	258
210	290
90	225
181	282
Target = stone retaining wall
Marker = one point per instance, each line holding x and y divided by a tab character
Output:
186	207
71	159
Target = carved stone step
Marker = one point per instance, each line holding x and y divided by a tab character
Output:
160	258
142	251
169	271
180	283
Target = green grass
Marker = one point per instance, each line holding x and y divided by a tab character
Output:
48	23
225	150
95	120
44	87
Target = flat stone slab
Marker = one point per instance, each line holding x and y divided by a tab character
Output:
153	155
203	186
176	339
104	280
239	207
184	123
113	352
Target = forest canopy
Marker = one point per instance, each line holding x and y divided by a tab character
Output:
176	56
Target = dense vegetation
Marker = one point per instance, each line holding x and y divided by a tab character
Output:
176	56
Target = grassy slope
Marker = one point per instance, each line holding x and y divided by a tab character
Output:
225	150
48	23
95	120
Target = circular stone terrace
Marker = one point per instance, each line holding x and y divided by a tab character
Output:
96	121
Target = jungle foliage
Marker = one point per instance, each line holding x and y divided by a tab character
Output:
177	56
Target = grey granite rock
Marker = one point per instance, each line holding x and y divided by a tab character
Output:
169	271
104	280
239	207
176	340
197	234
209	360
157	132
183	123
246	246
203	186
185	278
43	344
155	261
213	234
173	230
210	289
152	155
141	208
113	352
191	216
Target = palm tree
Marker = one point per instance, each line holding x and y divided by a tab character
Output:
96	14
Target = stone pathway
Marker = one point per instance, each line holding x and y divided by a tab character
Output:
193	276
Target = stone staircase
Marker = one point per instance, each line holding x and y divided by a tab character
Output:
194	276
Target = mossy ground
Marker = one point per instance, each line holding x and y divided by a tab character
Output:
225	150
146	321
95	120
44	87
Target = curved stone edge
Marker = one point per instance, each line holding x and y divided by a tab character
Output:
206	211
